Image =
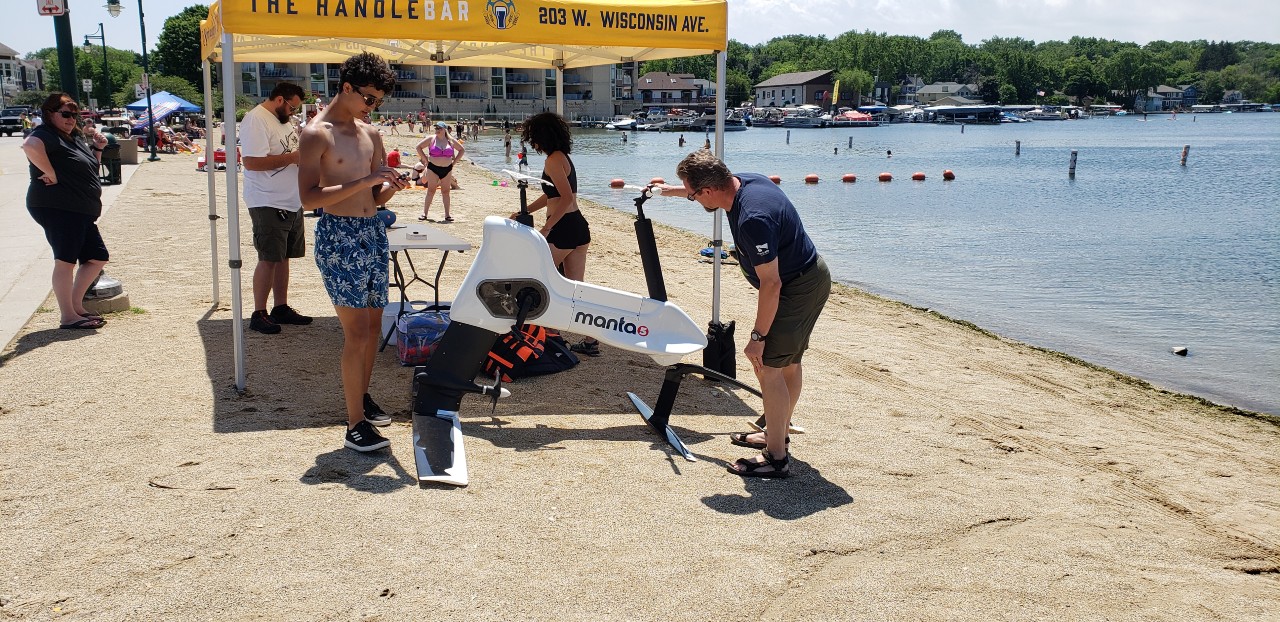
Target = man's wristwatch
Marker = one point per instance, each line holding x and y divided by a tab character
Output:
756	336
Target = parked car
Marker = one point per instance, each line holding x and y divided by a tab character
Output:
11	121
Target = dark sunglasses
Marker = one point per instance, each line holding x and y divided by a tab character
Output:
66	114
369	100
692	195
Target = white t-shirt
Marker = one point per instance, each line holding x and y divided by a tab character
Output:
262	134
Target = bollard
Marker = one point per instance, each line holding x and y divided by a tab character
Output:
1185	150
1071	172
1017	147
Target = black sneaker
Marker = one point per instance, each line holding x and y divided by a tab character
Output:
284	314
262	323
374	413
364	438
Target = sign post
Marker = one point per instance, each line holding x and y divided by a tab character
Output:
52	8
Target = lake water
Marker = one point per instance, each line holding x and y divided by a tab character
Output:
1133	257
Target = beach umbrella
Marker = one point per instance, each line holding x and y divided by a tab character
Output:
160	110
164	97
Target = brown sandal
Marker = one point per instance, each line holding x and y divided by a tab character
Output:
744	467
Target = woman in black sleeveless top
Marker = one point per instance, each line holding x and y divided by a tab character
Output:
65	198
566	230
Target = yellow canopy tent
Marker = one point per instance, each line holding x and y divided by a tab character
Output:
547	34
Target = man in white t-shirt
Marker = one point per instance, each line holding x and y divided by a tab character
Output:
269	148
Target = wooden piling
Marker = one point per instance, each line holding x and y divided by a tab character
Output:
1071	172
788	137
1185	150
1017	147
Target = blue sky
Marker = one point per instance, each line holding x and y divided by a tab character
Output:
756	21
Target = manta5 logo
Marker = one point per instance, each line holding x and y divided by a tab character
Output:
501	14
617	324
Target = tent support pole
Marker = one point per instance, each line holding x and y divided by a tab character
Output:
233	205
717	241
560	90
213	184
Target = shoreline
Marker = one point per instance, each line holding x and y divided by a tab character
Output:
947	473
1273	418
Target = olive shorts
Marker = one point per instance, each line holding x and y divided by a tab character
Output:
799	306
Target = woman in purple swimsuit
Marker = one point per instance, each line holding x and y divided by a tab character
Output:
440	151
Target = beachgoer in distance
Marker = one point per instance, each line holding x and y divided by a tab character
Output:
506	142
566	230
65	199
779	259
269	149
440	151
707	145
682	140
343	170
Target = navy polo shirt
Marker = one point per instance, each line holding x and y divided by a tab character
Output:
766	226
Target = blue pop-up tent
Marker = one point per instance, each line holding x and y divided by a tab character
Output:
165	97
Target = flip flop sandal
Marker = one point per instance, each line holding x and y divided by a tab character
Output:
740	439
93	316
85	324
422	217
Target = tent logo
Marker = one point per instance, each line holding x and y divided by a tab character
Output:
501	14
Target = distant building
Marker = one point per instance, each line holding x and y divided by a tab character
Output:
908	89
465	91
662	87
1190	95
929	95
793	89
1232	97
1151	101
1171	97
17	74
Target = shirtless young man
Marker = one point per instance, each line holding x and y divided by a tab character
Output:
342	169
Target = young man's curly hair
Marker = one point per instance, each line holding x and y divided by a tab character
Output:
367	69
547	132
702	169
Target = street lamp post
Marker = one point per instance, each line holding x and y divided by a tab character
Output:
113	7
101	35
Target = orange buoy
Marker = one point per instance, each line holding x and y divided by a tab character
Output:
948	175
810	179
616	183
849	178
657	180
886	177
775	179
917	176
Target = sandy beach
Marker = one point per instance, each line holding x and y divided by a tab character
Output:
946	473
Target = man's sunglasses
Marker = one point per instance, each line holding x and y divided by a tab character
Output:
693	195
370	100
67	114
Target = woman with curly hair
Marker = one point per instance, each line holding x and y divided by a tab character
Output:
566	230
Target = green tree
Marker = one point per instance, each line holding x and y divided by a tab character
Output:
1008	94
854	83
177	50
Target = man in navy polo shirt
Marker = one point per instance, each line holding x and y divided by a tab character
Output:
779	260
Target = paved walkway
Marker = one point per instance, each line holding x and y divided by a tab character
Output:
25	258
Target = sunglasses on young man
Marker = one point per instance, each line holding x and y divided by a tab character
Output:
369	100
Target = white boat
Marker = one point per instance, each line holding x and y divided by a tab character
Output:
1044	114
621	123
803	116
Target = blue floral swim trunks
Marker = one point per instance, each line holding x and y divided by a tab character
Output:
352	255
